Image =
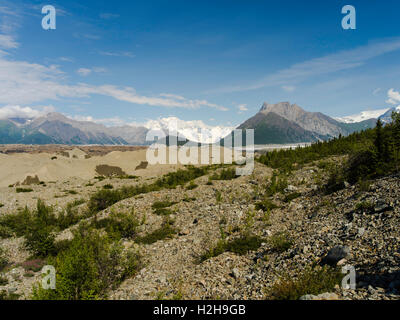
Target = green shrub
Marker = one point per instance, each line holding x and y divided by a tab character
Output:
23	190
191	186
280	242
16	223
103	199
277	185
5	231
311	281
365	206
225	174
108	186
162	204
240	246
89	268
218	196
166	231
119	225
291	196
3	259
265	205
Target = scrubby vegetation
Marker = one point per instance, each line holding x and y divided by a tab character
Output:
3	259
280	242
161	208
90	266
372	153
291	196
240	246
23	190
265	205
119	224
313	281
38	226
225	174
166	231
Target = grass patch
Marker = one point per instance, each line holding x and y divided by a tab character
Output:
166	231
311	281
280	242
239	246
265	205
225	174
365	206
191	186
162	204
291	196
106	198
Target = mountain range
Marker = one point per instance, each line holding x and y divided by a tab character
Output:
274	124
288	123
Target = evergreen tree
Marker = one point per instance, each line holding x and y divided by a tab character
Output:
379	143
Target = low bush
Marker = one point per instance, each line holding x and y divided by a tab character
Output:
239	246
23	190
291	196
265	205
280	242
225	174
90	267
119	225
3	259
311	281
166	231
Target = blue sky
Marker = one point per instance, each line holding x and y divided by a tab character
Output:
216	61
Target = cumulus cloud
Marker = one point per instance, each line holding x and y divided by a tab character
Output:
393	97
7	112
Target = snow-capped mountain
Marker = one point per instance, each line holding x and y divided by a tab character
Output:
363	115
196	130
387	116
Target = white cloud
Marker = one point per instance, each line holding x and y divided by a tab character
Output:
393	97
343	60
7	42
26	83
242	108
66	59
127	54
24	112
86	71
289	88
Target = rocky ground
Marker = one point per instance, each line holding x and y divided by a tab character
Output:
349	227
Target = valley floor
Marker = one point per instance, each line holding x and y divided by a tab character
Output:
296	233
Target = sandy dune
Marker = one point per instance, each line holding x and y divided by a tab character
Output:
16	167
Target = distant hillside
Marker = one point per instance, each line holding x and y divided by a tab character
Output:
288	123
